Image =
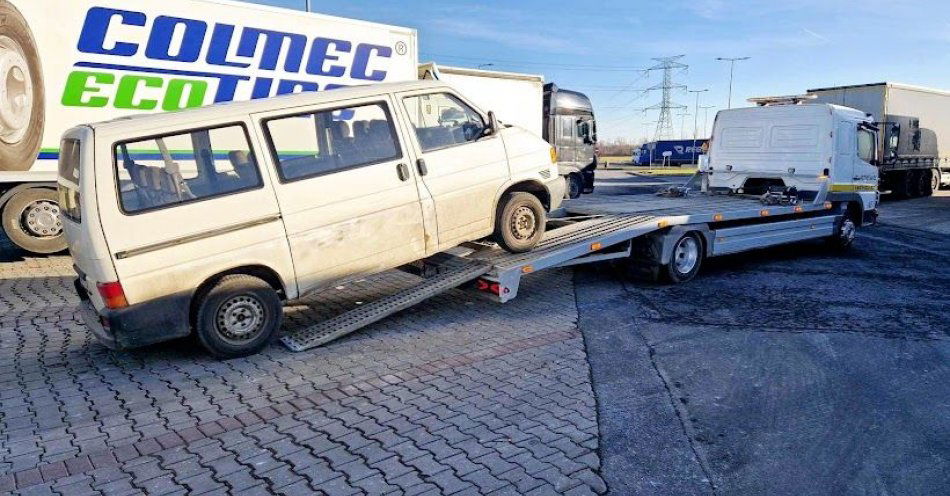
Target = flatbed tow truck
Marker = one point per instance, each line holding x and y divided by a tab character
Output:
618	228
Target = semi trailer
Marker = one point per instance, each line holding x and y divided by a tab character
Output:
669	152
914	123
564	118
67	63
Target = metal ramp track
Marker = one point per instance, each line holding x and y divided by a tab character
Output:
354	320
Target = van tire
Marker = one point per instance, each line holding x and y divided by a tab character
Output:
519	222
222	312
18	152
26	230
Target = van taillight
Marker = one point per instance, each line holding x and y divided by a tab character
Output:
113	295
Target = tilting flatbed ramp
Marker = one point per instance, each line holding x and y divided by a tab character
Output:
557	248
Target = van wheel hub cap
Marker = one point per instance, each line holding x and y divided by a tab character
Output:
41	219
686	255
16	92
523	223
240	318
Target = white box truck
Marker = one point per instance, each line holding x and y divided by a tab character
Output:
63	63
915	131
564	118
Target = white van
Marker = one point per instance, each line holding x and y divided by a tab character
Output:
206	220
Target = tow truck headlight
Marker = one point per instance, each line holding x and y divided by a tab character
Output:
553	155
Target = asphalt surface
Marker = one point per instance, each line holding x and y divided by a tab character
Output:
786	371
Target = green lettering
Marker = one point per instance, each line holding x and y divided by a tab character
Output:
129	85
78	88
176	90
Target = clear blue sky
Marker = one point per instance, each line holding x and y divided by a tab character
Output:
794	45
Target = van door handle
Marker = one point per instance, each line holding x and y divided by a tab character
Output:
421	165
403	172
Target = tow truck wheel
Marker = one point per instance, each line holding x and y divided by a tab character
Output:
844	235
520	222
238	316
686	260
575	185
22	112
31	220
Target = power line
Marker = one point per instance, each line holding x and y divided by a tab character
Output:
562	66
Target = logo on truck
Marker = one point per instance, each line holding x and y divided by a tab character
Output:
161	55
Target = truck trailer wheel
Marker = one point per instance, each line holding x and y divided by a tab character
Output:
925	183
520	222
238	316
31	219
687	259
22	104
905	183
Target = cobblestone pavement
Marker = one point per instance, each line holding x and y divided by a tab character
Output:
457	396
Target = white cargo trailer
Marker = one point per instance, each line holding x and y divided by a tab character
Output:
915	129
64	63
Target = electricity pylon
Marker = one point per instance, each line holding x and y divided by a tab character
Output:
664	123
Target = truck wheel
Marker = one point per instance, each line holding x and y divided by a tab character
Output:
934	182
924	181
686	260
844	235
575	185
22	107
238	316
520	222
906	184
31	219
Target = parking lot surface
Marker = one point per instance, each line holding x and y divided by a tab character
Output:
786	371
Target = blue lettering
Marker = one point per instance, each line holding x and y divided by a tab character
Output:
289	86
220	42
272	47
159	43
319	56
361	61
227	87
261	88
94	30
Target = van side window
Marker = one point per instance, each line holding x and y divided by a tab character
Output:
182	168
441	120
315	144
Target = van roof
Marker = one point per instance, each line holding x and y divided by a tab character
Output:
805	107
263	105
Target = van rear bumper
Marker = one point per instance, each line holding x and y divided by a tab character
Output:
138	325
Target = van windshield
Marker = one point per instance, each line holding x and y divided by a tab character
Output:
175	169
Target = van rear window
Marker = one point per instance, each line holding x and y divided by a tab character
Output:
175	169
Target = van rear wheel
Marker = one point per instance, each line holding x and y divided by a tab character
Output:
519	222
238	316
31	220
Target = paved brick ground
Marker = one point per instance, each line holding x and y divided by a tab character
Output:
458	396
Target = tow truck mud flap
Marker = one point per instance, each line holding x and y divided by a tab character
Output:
738	239
352	321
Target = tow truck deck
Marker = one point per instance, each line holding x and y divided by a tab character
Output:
593	229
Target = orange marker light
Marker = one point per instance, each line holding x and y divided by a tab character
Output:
527	269
799	209
828	205
663	223
718	218
596	246
764	213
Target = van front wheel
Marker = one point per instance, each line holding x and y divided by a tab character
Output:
520	222
238	316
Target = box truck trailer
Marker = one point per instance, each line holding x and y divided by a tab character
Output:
564	118
670	152
915	129
66	63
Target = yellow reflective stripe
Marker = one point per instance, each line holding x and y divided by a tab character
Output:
851	188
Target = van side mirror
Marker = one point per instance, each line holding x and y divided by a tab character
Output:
493	125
